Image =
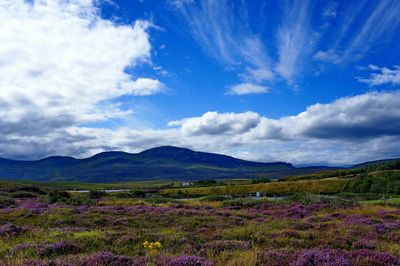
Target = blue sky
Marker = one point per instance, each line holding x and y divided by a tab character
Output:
199	69
307	82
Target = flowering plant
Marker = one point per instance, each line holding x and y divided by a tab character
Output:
152	247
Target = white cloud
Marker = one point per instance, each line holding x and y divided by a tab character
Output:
180	3
348	130
247	88
258	75
380	25
306	31
61	65
326	56
385	76
375	25
213	123
294	39
365	116
60	60
359	117
330	10
226	39
143	86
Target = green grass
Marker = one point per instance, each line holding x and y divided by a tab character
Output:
322	186
88	186
390	201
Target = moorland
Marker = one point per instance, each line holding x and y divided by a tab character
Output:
331	217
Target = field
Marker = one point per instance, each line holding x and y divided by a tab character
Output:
40	225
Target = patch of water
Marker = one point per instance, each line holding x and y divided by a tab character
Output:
105	190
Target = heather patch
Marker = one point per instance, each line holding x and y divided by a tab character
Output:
197	232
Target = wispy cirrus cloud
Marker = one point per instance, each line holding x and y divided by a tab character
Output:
294	38
308	32
226	38
375	22
379	26
382	76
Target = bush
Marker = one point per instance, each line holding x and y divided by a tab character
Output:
158	200
205	183
322	257
139	194
305	198
10	229
58	249
58	196
216	198
96	194
131	194
244	202
23	194
33	189
123	195
187	260
6	202
384	183
261	180
79	200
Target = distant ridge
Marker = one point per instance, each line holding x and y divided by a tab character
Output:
165	162
369	163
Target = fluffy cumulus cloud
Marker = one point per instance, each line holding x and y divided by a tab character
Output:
247	88
349	129
213	123
364	116
62	67
60	63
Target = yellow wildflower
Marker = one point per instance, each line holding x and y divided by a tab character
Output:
152	246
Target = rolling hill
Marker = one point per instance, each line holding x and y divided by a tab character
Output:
164	162
376	163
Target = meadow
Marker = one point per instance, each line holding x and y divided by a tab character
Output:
43	225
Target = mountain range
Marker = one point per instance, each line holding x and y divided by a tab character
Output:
164	162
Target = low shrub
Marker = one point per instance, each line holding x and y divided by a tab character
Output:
274	257
96	194
6	202
79	200
109	259
325	257
158	200
261	180
10	229
189	261
305	198
58	196
216	198
244	202
219	246
33	189
365	257
23	194
57	249
131	194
